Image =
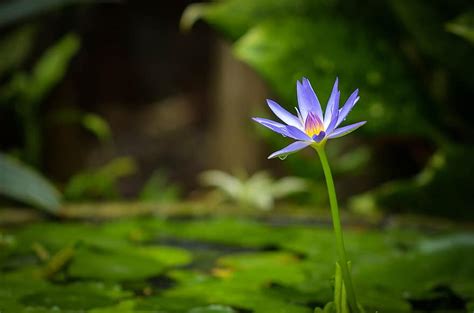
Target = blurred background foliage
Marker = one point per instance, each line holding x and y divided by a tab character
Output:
111	110
412	61
110	101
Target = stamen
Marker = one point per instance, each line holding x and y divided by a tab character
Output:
313	125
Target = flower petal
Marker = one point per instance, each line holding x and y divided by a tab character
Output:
339	132
307	100
296	133
283	114
334	114
350	103
295	146
285	130
331	103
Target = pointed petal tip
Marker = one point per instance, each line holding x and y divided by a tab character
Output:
268	101
283	114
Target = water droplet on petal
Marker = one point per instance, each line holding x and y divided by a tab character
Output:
283	156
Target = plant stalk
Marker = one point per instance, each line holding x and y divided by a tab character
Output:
336	221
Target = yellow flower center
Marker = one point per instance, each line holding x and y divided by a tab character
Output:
313	125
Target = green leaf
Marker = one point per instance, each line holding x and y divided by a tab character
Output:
74	297
15	47
113	266
369	65
235	17
97	125
437	189
158	189
21	183
425	22
463	26
29	88
127	263
316	40
52	66
100	182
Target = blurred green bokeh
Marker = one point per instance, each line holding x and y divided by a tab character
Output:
412	62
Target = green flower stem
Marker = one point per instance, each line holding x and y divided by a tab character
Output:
351	297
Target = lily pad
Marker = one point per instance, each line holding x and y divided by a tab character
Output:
113	266
252	266
78	296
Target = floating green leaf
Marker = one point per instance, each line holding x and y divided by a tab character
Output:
126	264
72	297
251	266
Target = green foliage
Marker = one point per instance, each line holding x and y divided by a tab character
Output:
258	191
29	88
438	189
100	183
93	123
24	92
424	20
406	57
360	66
463	26
70	297
21	183
113	266
15	48
159	189
97	126
315	43
114	269
50	69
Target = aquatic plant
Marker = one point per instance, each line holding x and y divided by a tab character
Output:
311	128
259	190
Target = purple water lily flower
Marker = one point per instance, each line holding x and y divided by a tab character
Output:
310	127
